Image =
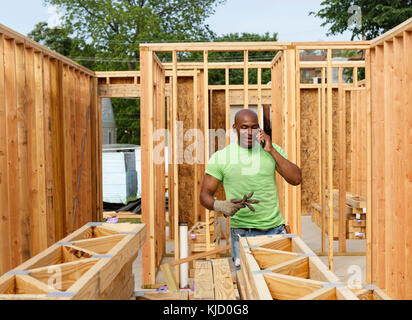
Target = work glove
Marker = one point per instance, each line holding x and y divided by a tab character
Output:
230	207
227	207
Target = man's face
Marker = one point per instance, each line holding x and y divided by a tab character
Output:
246	127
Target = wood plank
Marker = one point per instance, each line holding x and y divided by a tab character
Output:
29	285
256	282
12	150
95	281
222	279
29	43
146	158
180	295
245	79
284	287
298	267
200	255
268	257
57	164
282	244
5	257
22	131
399	154
204	288
67	157
407	81
170	279
342	164
101	245
41	158
323	159
62	276
389	170
175	162
78	147
240	281
329	108
321	294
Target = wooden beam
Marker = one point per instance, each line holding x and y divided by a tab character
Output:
330	159
369	169
246	79
389	35
204	288
28	43
222	279
216	46
175	168
206	131
323	159
342	164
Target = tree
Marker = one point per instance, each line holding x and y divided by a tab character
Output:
116	27
217	76
378	16
59	40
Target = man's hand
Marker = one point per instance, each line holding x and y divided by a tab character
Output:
227	207
262	136
230	207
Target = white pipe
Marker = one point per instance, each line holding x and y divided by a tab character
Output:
184	267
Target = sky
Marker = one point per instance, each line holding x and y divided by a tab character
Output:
289	18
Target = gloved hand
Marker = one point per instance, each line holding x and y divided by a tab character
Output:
230	207
227	207
247	201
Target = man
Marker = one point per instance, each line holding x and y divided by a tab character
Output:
247	169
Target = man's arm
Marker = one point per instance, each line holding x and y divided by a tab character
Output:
288	170
227	207
208	190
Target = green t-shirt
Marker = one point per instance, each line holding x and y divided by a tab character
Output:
242	171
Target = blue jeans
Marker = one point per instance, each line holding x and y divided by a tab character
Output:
236	233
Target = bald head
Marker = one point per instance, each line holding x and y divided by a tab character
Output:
245	115
246	126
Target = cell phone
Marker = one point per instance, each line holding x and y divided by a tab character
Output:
263	142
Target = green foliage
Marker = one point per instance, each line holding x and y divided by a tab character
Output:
59	40
217	77
378	16
106	34
115	28
127	116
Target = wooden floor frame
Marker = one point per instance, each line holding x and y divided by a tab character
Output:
83	266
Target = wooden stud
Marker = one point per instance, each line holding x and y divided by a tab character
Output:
5	254
246	79
368	168
330	159
342	164
259	102
389	170
41	158
12	150
206	132
407	81
298	189
23	178
175	169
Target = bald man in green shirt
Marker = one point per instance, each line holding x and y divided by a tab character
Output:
245	167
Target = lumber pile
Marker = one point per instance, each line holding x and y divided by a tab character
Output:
92	263
197	238
213	280
283	267
355	216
